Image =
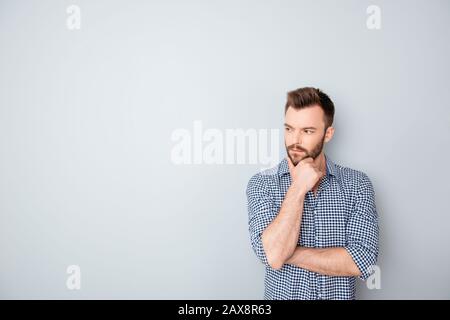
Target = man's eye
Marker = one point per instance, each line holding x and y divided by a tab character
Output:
288	129
309	131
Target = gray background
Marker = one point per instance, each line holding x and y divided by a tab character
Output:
86	118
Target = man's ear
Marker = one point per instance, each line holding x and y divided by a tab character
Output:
329	134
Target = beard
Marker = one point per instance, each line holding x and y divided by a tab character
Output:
297	157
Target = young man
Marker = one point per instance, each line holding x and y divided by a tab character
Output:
312	222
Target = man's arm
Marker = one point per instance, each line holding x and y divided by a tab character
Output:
328	261
274	235
361	250
280	238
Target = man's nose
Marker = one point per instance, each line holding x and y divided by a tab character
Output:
297	139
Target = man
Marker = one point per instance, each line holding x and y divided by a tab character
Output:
313	223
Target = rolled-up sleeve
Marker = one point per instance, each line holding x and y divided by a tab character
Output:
261	212
362	229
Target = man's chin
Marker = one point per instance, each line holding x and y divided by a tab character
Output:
295	160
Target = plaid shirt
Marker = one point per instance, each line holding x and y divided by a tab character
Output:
342	214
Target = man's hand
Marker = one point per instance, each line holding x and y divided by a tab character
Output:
305	174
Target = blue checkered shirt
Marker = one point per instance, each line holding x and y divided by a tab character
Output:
342	214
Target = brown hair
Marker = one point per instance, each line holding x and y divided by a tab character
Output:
307	97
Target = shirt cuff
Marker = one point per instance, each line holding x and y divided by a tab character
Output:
362	260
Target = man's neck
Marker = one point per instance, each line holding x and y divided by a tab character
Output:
321	163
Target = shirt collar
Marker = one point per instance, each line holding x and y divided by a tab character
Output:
330	165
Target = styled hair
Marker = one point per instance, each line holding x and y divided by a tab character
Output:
308	97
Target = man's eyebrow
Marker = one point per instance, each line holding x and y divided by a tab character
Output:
289	126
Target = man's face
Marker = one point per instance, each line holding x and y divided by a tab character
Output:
304	133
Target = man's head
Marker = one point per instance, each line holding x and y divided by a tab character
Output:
308	121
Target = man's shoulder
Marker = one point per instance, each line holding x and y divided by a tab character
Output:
261	179
352	177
